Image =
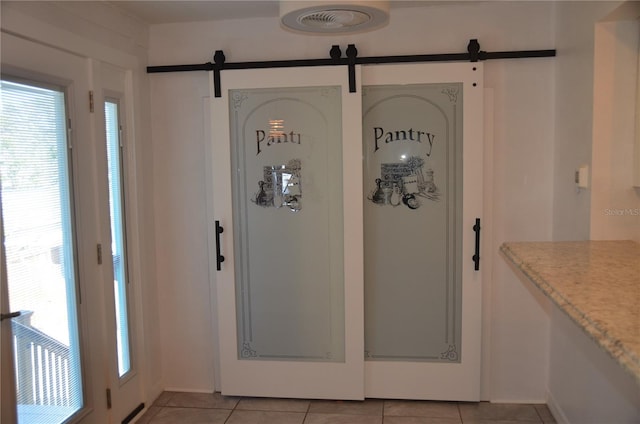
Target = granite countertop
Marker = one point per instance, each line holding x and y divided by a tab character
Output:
596	283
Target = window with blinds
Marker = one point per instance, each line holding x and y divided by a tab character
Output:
37	215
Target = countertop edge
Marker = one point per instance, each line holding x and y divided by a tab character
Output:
627	359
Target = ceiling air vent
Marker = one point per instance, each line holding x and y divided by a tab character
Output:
333	17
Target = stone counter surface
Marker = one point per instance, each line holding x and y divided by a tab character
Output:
596	283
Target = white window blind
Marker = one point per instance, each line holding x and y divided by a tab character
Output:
39	243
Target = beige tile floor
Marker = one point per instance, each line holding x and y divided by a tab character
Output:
202	408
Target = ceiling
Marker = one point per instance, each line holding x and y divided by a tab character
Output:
162	12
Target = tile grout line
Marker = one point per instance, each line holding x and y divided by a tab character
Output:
539	412
539	415
306	414
232	409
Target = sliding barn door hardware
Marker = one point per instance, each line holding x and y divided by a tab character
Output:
473	54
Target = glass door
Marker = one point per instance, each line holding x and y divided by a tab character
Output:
51	272
40	250
115	162
120	264
422	146
287	178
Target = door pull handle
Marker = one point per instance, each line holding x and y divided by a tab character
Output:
219	257
10	315
476	256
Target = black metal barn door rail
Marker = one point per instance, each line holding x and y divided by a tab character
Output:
473	54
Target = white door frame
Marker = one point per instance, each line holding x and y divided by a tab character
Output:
115	83
34	61
8	412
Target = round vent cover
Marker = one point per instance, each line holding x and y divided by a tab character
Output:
331	19
335	17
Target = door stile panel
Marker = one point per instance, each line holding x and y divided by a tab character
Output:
418	378
289	378
112	86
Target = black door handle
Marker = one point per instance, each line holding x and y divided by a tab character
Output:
219	257
476	257
10	315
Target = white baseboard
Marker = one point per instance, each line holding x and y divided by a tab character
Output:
526	401
188	390
140	414
556	410
153	393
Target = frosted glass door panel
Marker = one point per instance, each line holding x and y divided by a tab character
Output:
412	221
286	149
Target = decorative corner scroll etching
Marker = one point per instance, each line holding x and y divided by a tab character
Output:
237	98
452	93
281	186
404	183
451	354
247	351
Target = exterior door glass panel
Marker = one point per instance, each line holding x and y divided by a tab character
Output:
287	199
40	252
412	219
118	234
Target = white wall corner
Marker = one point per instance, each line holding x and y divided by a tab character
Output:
615	205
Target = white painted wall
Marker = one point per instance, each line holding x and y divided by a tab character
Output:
615	204
575	214
515	322
574	111
181	230
586	385
595	124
